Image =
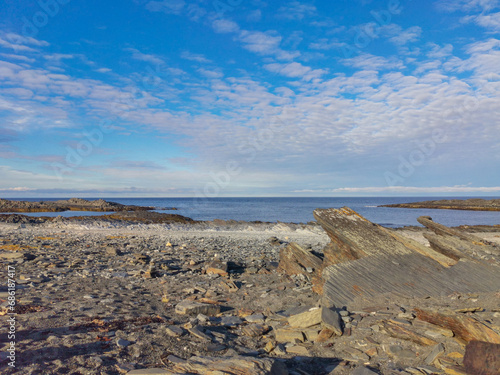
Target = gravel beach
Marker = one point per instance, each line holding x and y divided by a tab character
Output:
117	298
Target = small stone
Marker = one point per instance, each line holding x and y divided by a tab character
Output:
352	354
150	371
187	307
215	347
255	318
96	361
255	330
217	267
324	335
270	346
436	351
124	368
231	321
298	350
174	331
197	331
279	349
122	343
363	371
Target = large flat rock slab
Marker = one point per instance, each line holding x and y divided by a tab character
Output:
365	260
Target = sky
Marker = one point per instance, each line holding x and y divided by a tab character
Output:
215	98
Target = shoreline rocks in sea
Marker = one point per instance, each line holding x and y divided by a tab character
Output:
72	204
474	204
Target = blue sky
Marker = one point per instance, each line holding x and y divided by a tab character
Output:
249	98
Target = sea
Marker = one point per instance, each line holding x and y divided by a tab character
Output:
298	210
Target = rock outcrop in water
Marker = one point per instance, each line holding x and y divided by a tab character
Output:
474	204
72	204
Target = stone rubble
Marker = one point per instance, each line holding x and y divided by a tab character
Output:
158	300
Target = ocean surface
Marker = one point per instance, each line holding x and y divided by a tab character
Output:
299	210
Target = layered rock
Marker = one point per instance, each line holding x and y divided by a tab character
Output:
72	204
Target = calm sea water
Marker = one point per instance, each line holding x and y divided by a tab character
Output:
299	210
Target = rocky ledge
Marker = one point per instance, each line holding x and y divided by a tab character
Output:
475	204
72	204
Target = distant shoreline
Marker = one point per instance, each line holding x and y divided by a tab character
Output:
474	204
72	204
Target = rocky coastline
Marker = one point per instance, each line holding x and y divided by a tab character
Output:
474	204
72	204
109	296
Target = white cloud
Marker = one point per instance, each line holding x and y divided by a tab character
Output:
223	26
254	16
296	11
406	189
366	61
138	55
488	21
466	5
295	70
166	6
403	37
20	43
194	57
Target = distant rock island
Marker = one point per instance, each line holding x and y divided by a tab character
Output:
474	204
72	204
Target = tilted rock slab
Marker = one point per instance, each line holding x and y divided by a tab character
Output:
365	260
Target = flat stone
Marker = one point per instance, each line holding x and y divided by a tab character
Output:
289	335
363	371
231	321
255	330
174	331
122	343
298	350
255	318
306	319
198	332
232	365
352	354
331	320
187	307
436	351
151	371
215	347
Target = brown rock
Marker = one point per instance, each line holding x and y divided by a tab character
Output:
464	327
255	330
404	332
217	267
482	358
324	335
295	260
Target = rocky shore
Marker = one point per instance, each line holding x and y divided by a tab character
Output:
474	204
72	204
105	296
